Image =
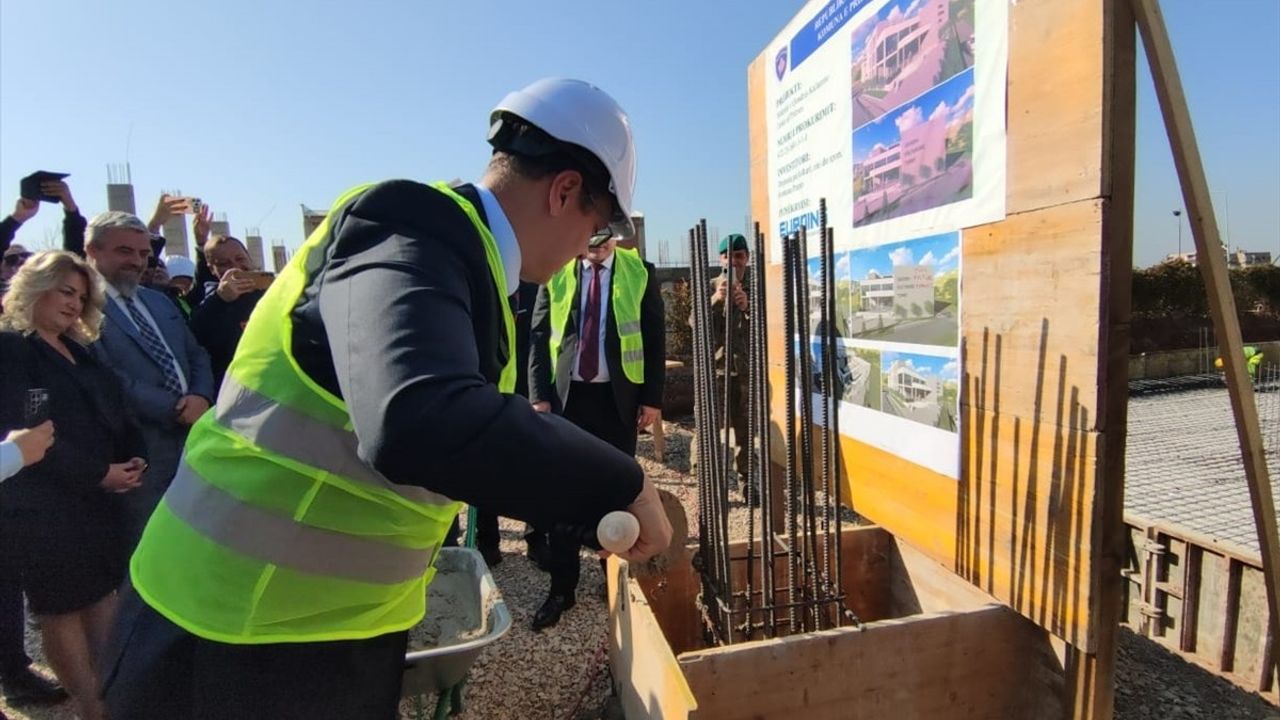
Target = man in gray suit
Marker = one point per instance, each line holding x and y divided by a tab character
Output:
166	374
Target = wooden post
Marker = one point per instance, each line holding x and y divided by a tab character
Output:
659	439
1213	268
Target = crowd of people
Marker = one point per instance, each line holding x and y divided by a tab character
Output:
117	350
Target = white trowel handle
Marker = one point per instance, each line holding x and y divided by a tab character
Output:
616	532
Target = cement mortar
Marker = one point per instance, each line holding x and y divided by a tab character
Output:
454	614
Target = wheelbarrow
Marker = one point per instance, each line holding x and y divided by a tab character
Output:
472	617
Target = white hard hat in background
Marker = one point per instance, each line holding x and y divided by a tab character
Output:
577	112
179	266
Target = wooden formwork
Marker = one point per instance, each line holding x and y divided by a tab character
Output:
1203	599
932	646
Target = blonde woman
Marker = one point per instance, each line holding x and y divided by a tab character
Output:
61	520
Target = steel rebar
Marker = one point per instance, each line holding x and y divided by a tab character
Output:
789	371
759	356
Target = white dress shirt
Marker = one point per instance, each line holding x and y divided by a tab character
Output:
118	299
584	284
504	236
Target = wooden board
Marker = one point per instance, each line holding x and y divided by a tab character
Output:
1036	517
984	663
651	684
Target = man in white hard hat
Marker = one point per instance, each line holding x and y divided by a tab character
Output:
372	391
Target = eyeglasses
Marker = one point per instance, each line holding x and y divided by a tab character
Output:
601	236
16	259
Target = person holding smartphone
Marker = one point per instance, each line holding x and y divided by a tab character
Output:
219	321
62	524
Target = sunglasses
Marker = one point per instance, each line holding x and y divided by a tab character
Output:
600	236
16	259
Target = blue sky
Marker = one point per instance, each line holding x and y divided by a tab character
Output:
941	249
257	107
884	130
926	365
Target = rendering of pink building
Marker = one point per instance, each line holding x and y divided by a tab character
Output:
896	41
919	155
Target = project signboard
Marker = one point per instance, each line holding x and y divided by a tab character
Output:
894	112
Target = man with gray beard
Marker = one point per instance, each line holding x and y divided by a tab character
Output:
167	378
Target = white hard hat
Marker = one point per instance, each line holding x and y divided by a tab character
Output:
578	113
179	266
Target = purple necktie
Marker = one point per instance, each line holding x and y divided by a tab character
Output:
589	353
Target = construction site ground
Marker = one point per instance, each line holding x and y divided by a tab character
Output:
562	673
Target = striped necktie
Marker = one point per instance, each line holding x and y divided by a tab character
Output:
155	348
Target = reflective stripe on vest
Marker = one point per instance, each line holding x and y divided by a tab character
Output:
274	529
279	540
630	278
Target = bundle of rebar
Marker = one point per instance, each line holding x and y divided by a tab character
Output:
788	578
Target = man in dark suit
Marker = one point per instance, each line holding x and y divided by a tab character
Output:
598	356
167	379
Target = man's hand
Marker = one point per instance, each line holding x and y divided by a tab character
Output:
62	191
655	528
190	408
167	207
740	297
123	477
646	416
200	225
25	209
717	297
233	284
33	443
542	406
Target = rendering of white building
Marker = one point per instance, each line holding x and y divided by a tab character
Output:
911	385
910	288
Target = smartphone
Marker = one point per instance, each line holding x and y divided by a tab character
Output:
36	409
261	280
194	205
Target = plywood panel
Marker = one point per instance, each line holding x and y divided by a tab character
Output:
1030	313
1055	100
654	686
986	663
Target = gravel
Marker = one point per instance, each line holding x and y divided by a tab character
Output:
562	673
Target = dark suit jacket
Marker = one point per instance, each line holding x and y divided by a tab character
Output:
85	406
552	384
401	321
120	347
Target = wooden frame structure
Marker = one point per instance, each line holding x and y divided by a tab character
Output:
1036	516
1036	519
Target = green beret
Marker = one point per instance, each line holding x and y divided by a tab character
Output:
739	243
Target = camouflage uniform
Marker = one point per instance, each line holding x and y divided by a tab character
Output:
738	361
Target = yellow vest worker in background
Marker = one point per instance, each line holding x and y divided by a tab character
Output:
597	356
371	393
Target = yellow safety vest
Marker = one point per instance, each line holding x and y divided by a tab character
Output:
626	293
274	530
